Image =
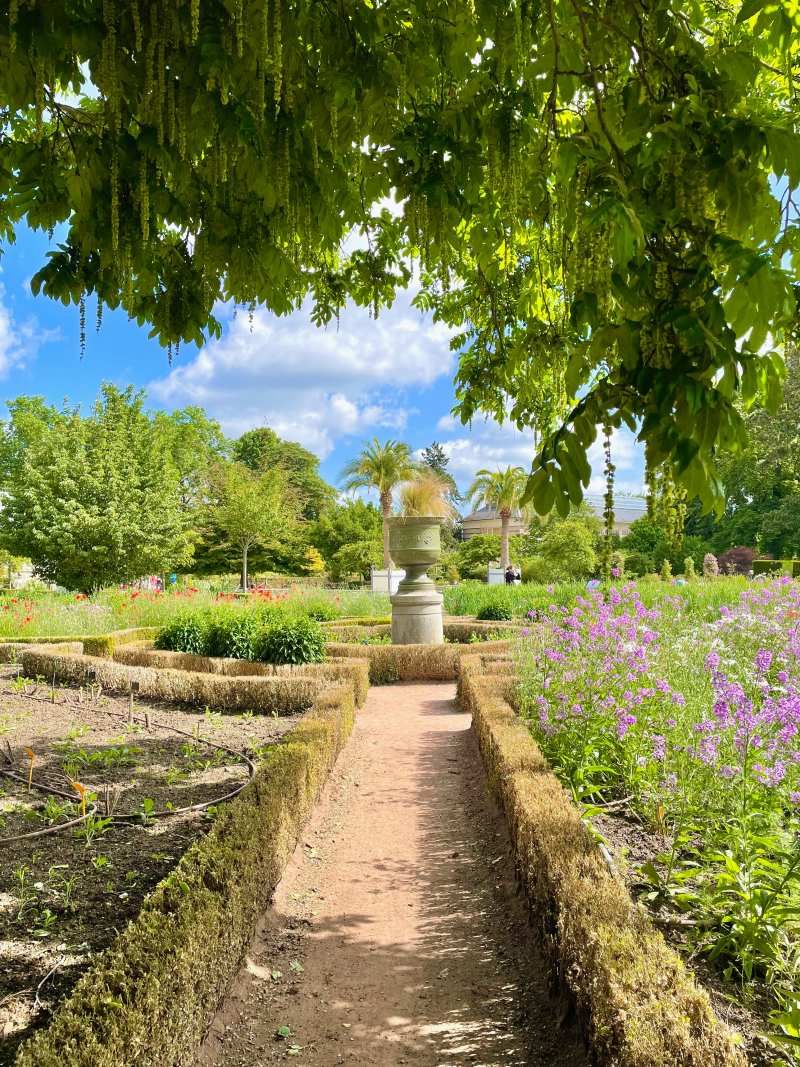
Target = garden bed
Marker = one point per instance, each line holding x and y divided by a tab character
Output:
680	739
637	1002
157	847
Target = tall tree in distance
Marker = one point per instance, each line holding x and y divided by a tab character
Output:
435	457
250	509
91	500
502	491
382	467
263	450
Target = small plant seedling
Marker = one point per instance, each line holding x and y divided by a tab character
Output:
148	811
282	1033
297	967
99	862
92	827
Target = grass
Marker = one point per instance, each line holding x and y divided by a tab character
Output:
45	614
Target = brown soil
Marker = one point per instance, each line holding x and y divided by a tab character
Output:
63	897
397	935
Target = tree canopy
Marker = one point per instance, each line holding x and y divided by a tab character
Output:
91	500
263	450
600	197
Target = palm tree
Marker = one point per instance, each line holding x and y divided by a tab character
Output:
500	490
381	467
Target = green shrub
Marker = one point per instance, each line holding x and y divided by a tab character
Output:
666	570
537	569
637	564
495	611
777	566
185	633
291	640
688	568
232	634
321	610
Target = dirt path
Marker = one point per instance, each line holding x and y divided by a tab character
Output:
396	935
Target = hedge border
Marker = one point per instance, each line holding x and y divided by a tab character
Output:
413	663
94	644
332	670
273	695
639	1005
152	993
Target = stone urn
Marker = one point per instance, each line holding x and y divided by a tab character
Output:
415	544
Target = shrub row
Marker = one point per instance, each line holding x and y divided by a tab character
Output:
274	695
150	996
413	663
11	651
94	644
638	1003
355	671
777	566
264	633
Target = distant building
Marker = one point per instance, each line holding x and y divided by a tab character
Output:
626	510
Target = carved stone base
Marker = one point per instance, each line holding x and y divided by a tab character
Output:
417	617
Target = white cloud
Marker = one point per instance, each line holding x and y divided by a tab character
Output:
19	341
487	444
314	385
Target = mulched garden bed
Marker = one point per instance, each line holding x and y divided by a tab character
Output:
65	895
631	845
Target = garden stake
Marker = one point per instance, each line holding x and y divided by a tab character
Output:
31	756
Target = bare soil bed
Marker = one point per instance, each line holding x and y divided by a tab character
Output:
64	895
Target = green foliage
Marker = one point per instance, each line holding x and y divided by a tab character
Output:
355	559
537	569
232	633
637	564
630	244
500	490
688	568
343	524
496	611
263	450
185	633
568	546
666	571
291	640
249	509
382	467
92	500
474	555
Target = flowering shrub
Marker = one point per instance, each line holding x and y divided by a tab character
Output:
695	727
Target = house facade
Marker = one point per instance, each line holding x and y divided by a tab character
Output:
487	521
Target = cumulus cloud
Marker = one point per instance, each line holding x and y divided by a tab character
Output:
314	385
488	444
19	341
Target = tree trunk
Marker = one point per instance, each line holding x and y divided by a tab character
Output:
505	517
245	550
386	508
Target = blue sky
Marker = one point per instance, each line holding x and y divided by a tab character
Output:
328	389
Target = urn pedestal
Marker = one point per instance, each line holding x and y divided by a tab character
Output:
415	544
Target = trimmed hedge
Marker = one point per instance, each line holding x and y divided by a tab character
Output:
413	663
791	567
94	644
353	670
11	651
275	695
150	996
639	1004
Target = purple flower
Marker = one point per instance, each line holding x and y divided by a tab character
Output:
712	661
763	660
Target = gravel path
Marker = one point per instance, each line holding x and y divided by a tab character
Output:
396	935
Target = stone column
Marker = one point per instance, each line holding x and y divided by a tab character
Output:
417	605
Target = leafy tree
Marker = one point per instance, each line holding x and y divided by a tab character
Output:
569	549
91	500
250	509
435	457
474	555
196	443
626	174
264	450
356	558
344	524
500	490
382	467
